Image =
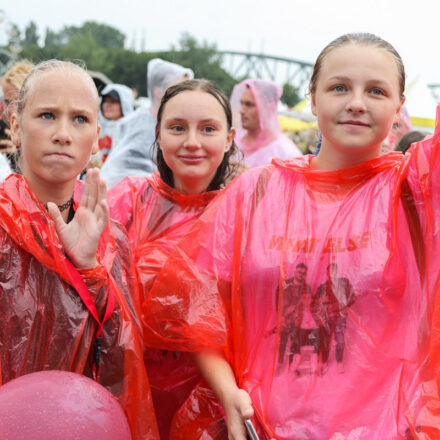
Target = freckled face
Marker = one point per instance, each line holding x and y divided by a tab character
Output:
58	128
357	98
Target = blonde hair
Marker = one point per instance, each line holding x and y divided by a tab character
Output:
16	75
365	39
49	66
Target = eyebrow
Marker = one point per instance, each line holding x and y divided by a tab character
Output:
54	107
171	119
346	78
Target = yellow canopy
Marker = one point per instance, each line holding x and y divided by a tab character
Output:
288	123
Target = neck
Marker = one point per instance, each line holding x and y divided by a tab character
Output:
251	136
48	192
191	186
331	159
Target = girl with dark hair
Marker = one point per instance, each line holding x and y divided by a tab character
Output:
194	145
226	291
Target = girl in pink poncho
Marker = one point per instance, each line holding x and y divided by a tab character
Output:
309	288
193	146
254	104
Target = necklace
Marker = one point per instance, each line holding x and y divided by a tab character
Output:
64	206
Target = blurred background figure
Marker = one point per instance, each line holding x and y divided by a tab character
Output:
131	153
408	139
117	102
400	129
255	106
11	84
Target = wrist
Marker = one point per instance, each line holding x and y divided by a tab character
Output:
86	264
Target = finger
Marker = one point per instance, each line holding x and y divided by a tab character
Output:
85	194
245	405
93	188
55	213
104	215
102	193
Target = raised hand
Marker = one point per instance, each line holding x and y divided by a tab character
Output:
80	237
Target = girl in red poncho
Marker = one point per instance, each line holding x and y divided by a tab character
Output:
67	294
310	287
193	146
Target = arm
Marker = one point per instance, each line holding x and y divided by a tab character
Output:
235	401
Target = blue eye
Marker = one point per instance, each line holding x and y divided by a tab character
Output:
81	119
208	129
376	91
339	88
47	115
177	128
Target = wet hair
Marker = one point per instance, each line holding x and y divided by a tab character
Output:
364	39
301	266
408	139
16	75
227	167
50	66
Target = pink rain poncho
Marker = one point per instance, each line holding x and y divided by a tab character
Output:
157	217
271	143
322	289
46	321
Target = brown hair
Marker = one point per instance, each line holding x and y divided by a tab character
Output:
361	39
227	168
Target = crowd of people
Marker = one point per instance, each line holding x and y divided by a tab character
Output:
210	275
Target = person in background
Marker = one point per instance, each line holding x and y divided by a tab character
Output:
117	102
131	154
407	139
11	84
254	104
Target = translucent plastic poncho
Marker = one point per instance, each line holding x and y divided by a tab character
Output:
45	323
131	154
157	217
271	143
322	288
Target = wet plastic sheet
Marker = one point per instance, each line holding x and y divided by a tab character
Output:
46	326
322	288
157	217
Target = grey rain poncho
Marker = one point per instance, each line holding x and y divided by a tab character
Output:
132	154
126	98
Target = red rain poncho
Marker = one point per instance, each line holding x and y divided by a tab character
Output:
351	357
46	325
157	217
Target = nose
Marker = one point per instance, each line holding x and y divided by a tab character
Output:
62	133
192	140
356	103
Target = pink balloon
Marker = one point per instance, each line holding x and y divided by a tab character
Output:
58	405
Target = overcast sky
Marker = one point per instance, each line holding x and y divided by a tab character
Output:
291	28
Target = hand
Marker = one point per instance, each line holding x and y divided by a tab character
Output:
6	144
238	407
80	237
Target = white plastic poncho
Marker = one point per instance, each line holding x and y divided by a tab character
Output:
126	98
5	169
132	154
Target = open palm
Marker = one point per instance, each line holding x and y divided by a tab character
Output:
80	237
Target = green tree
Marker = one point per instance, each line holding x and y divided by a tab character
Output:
202	58
31	34
290	95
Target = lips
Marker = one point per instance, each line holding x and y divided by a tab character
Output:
191	159
354	123
59	155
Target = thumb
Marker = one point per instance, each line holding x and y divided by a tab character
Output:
55	213
245	405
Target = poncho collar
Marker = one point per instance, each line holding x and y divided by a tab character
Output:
175	196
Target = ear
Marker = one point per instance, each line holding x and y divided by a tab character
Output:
397	115
15	130
313	103
230	139
95	146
